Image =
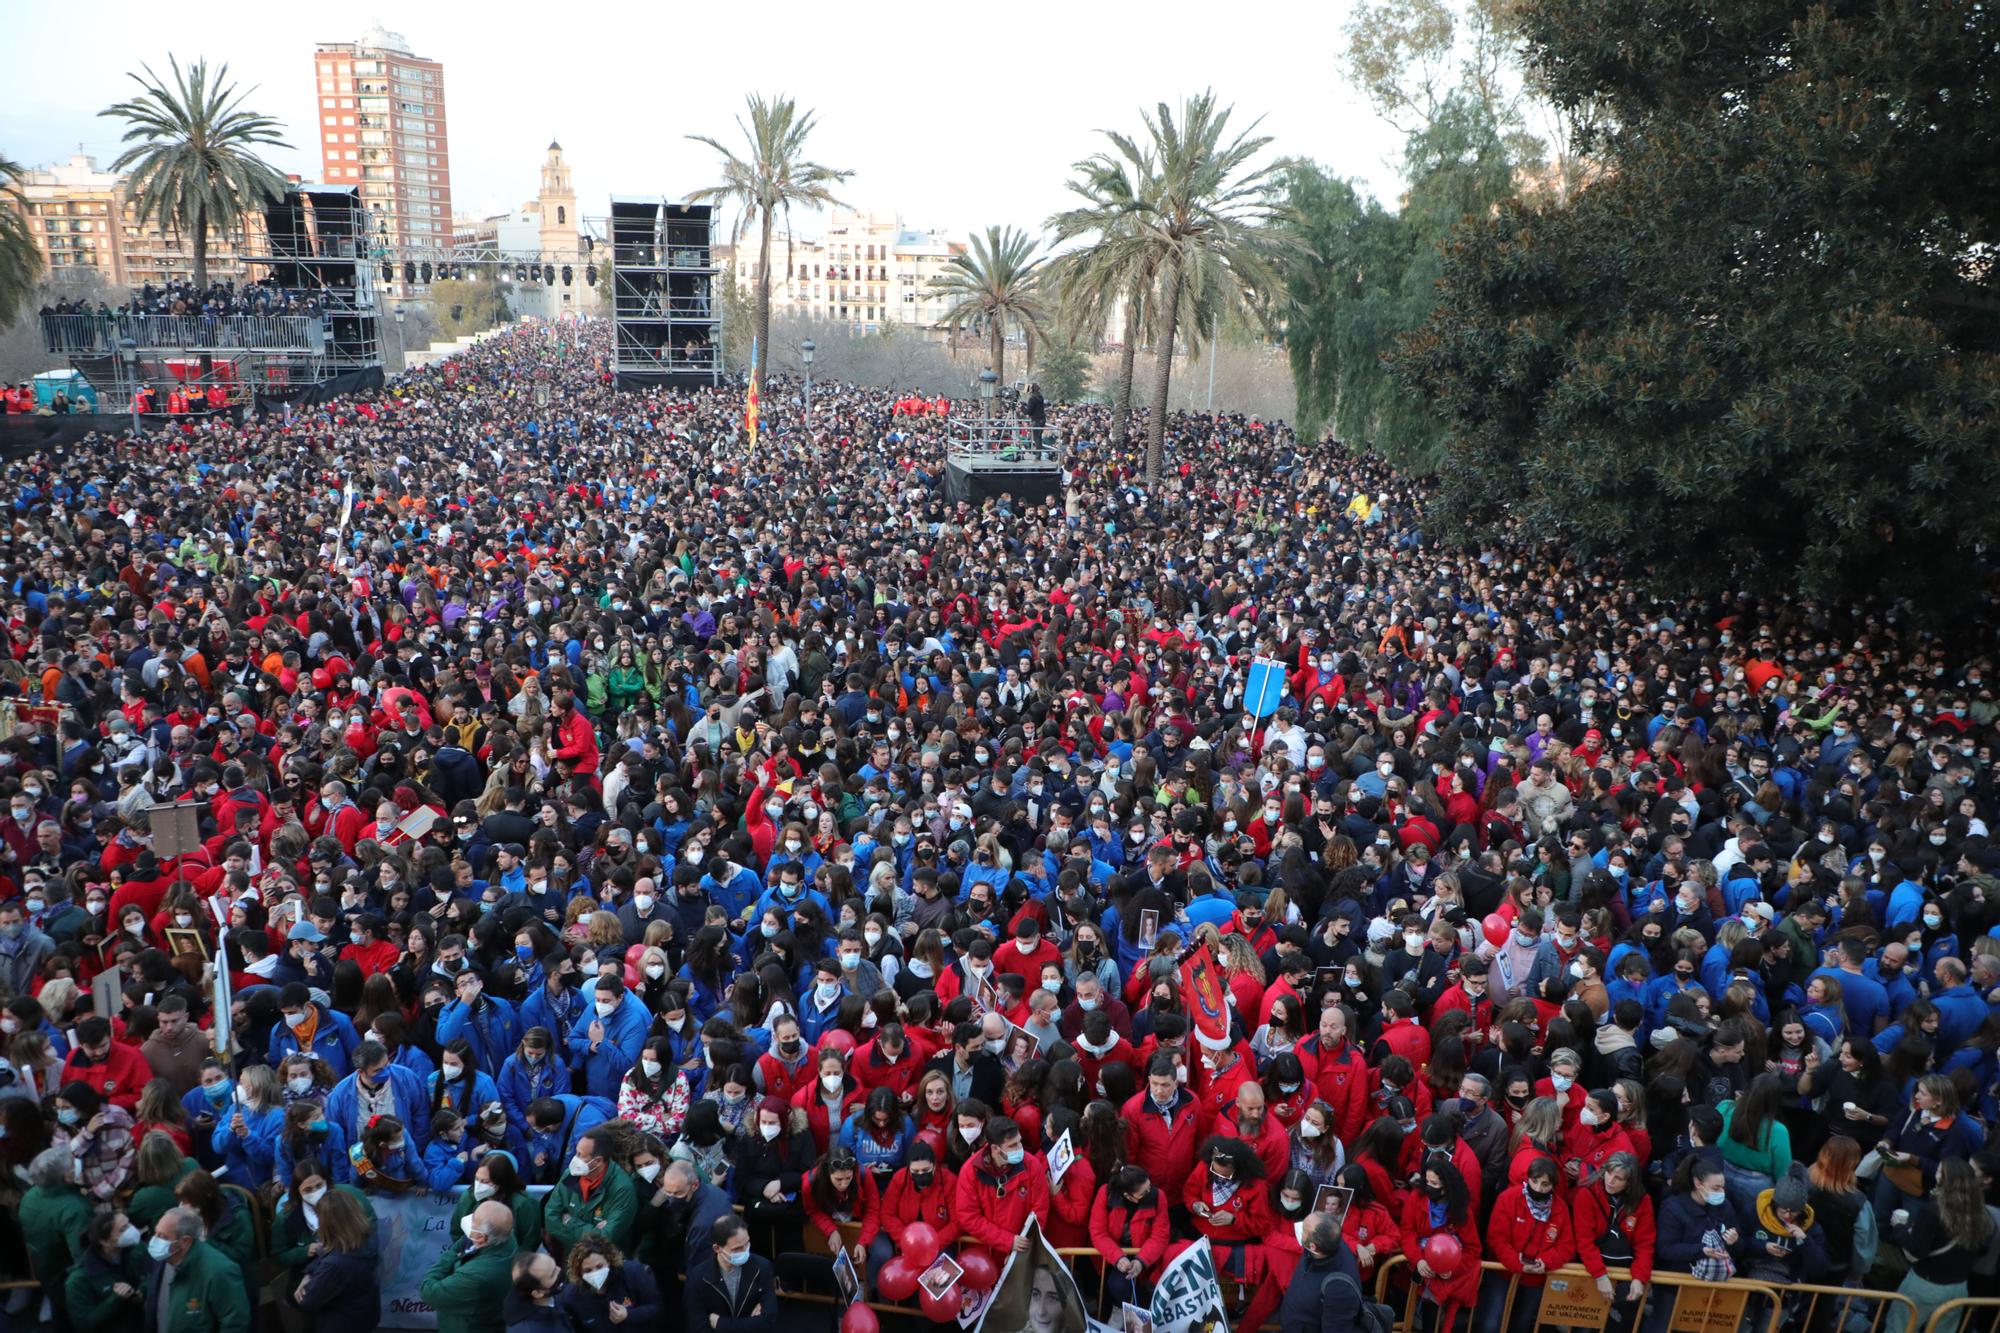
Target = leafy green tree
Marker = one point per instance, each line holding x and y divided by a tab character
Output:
995	284
1761	350
193	158
20	261
1362	278
1207	225
770	179
1065	371
462	307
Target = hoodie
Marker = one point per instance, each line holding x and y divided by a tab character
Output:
1801	1258
1618	1056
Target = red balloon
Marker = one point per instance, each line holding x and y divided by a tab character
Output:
858	1318
980	1270
321	678
920	1245
1444	1254
1496	929
896	1280
943	1308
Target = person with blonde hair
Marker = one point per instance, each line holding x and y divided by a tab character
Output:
342	1286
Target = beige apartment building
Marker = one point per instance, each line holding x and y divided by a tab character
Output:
382	128
85	223
866	271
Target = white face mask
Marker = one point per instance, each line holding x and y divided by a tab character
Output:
1308	1130
299	1087
465	1224
579	1166
768	1131
655	971
482	1191
970	1133
652	1068
650	1172
597	1277
312	1197
606	1008
831	1082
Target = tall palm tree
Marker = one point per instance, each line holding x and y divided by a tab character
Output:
20	261
192	155
995	282
1115	268
1206	223
770	180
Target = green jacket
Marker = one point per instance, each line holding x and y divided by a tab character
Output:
626	685
150	1202
613	1208
91	1304
290	1240
527	1211
208	1295
52	1221
236	1236
466	1289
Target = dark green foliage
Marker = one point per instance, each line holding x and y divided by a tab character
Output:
1762	348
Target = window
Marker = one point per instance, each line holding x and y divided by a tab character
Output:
562	215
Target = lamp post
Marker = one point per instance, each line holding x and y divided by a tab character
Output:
128	351
806	350
989	384
402	357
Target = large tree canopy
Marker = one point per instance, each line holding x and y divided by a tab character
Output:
1762	347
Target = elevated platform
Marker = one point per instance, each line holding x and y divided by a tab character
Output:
988	457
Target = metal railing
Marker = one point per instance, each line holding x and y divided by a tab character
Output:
1966	1314
85	335
705	360
1001	442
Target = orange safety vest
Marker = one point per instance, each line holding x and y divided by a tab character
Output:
176	403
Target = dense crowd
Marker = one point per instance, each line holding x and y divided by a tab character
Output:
744	841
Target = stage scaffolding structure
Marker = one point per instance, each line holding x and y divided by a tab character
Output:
666	309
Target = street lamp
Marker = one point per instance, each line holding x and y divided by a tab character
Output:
128	351
806	350
989	384
402	357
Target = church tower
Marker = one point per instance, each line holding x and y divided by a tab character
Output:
558	203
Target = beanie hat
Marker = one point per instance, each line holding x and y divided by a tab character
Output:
83	1097
1790	1193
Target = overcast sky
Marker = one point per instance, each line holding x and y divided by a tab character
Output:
955	116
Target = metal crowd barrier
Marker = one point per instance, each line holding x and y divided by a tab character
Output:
104	334
1966	1314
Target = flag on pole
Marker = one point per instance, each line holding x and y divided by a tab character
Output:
1201	983
750	407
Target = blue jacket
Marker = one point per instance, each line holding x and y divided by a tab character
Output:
1906	903
624	1032
580	1115
1863	997
521	1083
413	1108
412	1057
334	1155
870	1152
1961	1013
447	1166
251	1159
484	1092
195	1104
492	1029
737	895
558	1015
333	1041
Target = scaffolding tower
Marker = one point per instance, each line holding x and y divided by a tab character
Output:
666	313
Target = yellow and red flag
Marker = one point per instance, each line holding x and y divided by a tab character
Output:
750	405
1208	1006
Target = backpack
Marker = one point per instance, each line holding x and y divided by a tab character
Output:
1374	1316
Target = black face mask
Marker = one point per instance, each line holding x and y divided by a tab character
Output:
922	1179
1436	1192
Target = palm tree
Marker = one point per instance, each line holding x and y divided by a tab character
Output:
995	283
1206	225
192	154
770	180
20	261
1116	268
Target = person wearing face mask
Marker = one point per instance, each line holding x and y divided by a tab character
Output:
483	1020
193	1287
606	1290
974	1071
594	1194
468	1284
1531	1234
23	949
1700	1231
1442	1205
999	1189
604	1044
772	1158
105	1288
378	1088
924	1190
497	1176
112	1070
655	1095
732	1284
341	1289
309	1026
1561	1085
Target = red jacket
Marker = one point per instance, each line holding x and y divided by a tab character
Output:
1462	1287
1571	1101
1375	1226
1591	1148
992	1207
1217	1089
872	1070
1246	1207
576	741
1419	1094
1008	958
1341	1079
823	1126
1272	1143
1121	1052
1591	1215
118	1077
903	1203
777	1080
1116	1226
377	957
1407	1038
1069	1206
1164	1143
1481	1010
863	1204
1515	1237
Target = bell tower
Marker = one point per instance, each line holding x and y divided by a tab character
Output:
558	203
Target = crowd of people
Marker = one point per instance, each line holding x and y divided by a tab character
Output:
768	856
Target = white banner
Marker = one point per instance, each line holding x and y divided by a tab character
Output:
411	1230
1188	1296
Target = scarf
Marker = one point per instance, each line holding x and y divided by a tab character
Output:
1539	1209
305	1033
